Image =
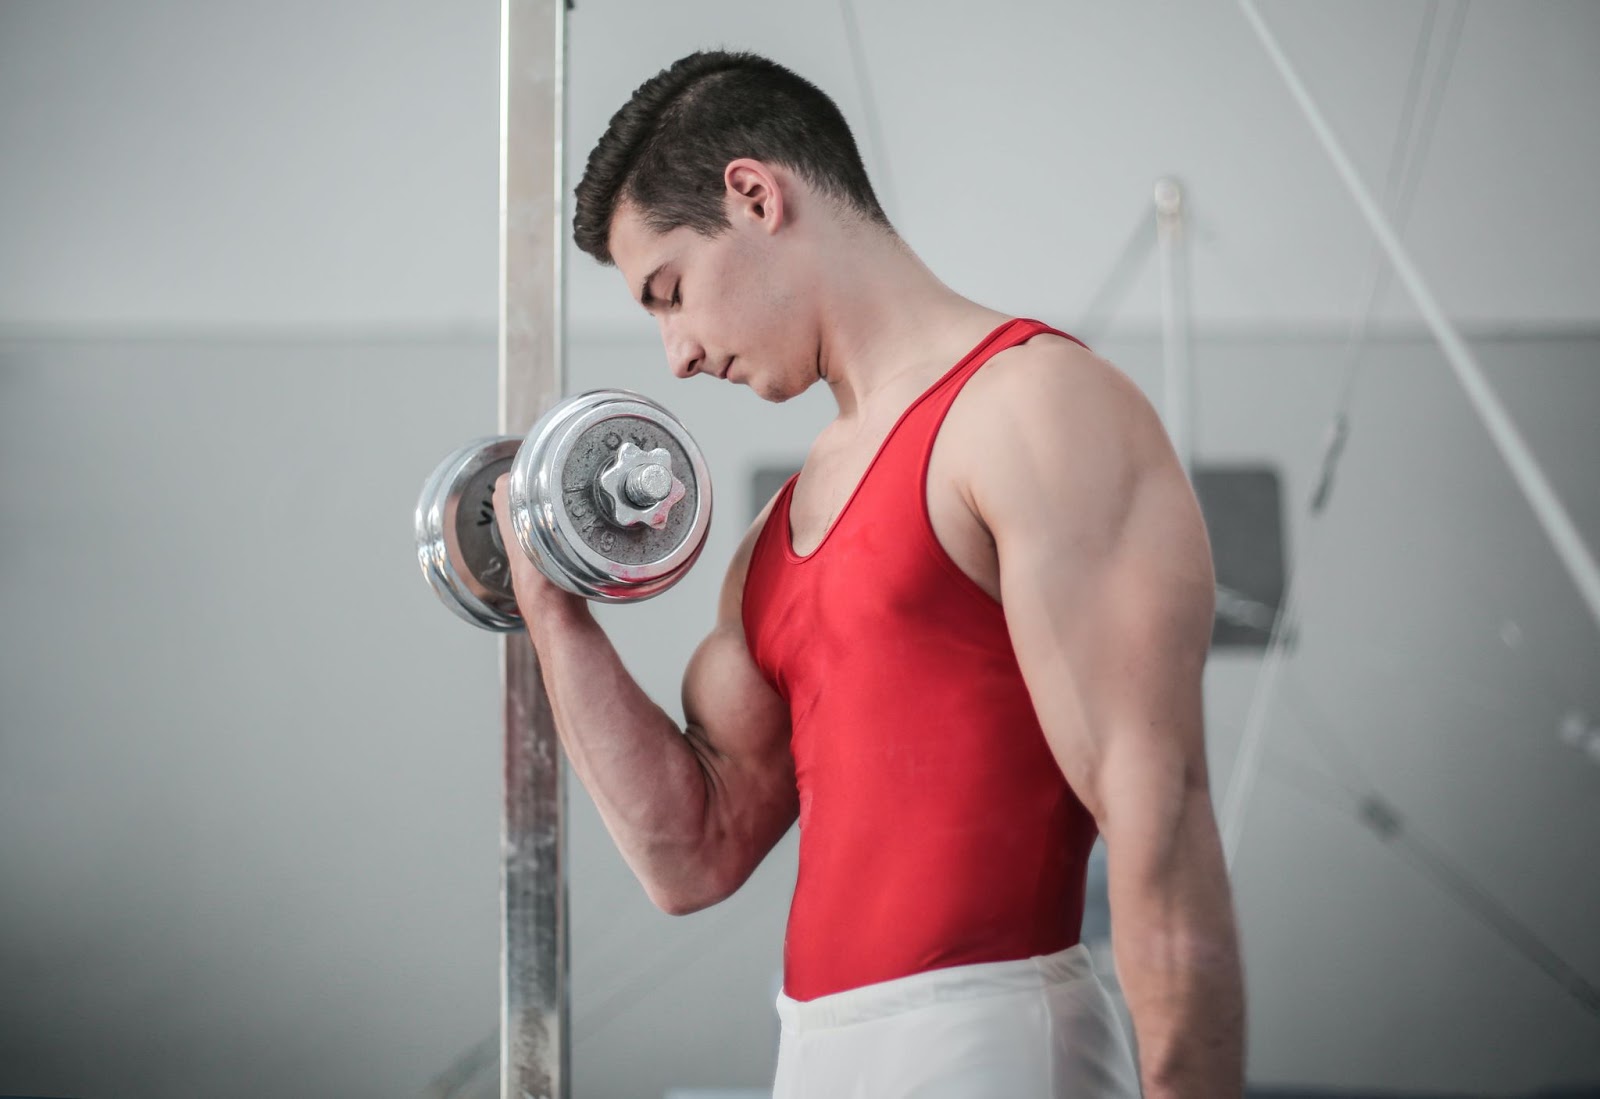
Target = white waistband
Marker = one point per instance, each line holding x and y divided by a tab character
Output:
961	982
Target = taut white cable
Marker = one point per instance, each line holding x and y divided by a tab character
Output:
1547	507
1502	430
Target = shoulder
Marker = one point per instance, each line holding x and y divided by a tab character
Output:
1052	411
1065	451
1062	396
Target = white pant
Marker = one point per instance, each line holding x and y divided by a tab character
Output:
1038	1028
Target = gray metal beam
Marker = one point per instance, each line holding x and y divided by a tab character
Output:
535	1040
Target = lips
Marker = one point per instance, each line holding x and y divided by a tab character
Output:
726	367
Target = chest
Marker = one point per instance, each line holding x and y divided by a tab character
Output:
832	482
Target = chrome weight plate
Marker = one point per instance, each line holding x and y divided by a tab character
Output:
458	540
610	496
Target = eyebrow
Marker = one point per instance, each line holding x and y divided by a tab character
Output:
646	298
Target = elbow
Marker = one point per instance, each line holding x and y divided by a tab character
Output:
672	904
682	901
690	890
708	873
682	905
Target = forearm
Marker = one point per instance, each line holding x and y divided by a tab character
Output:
1177	959
645	776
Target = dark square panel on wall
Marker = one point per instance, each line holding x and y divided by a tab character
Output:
1243	508
765	481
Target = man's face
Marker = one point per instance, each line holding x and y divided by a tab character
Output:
722	304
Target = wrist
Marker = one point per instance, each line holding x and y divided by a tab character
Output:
550	611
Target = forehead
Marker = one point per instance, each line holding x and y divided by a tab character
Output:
636	248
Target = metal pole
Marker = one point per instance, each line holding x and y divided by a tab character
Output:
1177	317
535	1040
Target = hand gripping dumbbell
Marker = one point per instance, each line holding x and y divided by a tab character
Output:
609	497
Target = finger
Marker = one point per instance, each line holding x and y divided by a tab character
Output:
502	508
502	515
525	578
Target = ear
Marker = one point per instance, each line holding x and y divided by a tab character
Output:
754	193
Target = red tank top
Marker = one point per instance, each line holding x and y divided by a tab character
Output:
936	828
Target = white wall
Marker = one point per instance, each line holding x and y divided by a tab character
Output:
313	166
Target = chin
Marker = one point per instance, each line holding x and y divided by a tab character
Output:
778	387
773	390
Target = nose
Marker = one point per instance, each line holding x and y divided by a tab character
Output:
685	355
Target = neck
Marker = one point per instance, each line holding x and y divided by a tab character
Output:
885	317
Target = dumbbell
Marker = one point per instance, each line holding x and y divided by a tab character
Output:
609	495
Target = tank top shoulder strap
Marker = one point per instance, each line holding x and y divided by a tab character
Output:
1004	338
1007	336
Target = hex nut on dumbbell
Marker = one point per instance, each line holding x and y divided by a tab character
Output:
610	498
638	487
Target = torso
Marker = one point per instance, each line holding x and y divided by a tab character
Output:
879	627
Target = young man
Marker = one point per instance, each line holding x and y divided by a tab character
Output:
968	637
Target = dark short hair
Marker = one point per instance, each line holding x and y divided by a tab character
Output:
666	150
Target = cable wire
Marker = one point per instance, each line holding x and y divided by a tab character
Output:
869	104
1247	759
1376	812
1373	810
1405	171
1563	534
1102	309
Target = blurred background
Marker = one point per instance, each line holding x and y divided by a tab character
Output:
250	767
